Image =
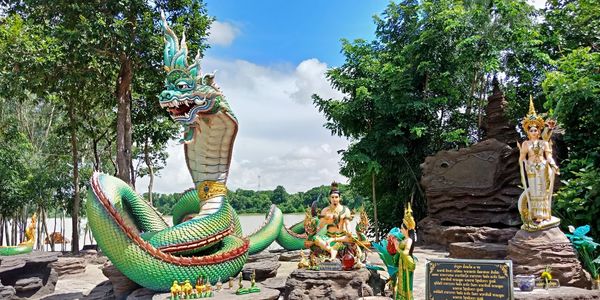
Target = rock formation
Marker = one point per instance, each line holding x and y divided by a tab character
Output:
473	186
30	275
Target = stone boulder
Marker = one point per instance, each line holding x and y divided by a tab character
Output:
474	186
263	269
276	283
7	291
313	285
30	275
141	294
477	250
122	286
69	266
531	252
432	231
293	255
103	291
264	255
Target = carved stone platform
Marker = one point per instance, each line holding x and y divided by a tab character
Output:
531	252
307	284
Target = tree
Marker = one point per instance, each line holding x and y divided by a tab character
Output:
421	87
111	55
279	195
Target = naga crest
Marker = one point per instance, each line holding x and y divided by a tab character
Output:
187	94
311	223
363	222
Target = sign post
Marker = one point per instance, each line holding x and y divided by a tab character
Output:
469	279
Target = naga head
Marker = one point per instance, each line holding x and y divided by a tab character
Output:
188	94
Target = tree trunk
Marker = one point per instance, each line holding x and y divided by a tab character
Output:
124	119
1	230
15	224
375	208
76	200
6	232
148	162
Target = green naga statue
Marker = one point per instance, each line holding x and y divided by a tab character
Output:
206	240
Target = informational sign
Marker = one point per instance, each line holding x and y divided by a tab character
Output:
469	279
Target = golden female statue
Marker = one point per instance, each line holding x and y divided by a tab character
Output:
406	263
538	170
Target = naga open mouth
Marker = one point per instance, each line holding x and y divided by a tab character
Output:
185	109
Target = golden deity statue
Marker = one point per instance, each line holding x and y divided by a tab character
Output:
335	241
538	170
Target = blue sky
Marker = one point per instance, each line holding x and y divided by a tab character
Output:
270	57
288	32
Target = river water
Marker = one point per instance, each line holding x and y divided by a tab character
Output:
249	222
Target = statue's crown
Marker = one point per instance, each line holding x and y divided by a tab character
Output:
408	220
532	119
176	52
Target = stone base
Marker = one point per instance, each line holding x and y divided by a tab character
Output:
562	293
531	252
477	250
431	231
306	284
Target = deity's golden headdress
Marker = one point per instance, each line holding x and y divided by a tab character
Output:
334	188
408	221
532	119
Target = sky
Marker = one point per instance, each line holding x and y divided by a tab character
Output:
270	57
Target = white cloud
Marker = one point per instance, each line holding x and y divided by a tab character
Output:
222	33
539	4
281	139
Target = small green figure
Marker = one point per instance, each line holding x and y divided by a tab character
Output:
253	287
241	290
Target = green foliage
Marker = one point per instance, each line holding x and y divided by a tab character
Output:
249	201
421	87
578	200
573	96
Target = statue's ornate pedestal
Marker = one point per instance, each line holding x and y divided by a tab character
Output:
531	252
308	284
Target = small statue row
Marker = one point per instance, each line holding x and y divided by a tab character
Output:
186	291
204	288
